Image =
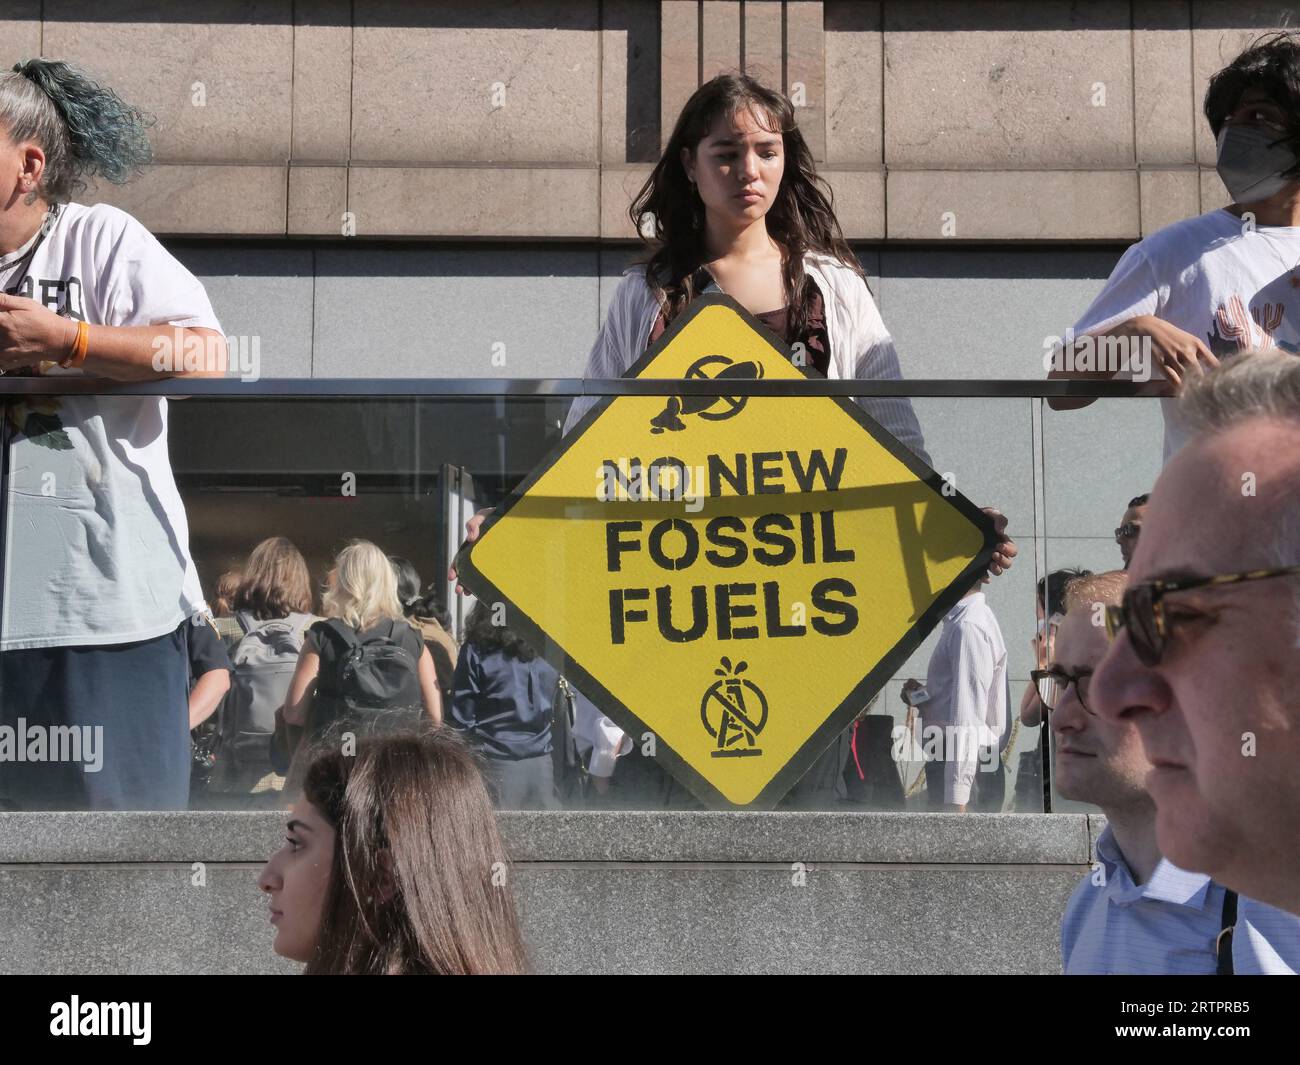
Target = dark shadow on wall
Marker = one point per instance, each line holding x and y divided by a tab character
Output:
422	257
640	22
1000	261
937	15
492	258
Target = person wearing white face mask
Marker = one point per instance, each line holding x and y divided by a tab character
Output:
1228	281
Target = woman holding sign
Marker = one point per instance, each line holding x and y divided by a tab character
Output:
735	206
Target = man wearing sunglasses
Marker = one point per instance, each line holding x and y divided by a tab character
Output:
1135	912
1205	659
1130	527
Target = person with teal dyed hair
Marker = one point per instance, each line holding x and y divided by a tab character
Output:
98	578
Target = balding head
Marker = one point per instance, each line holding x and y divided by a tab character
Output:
1255	392
1082	593
1219	713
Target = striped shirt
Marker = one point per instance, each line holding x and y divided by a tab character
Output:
967	684
1167	926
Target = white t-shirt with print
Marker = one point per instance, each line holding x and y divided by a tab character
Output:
1227	284
96	541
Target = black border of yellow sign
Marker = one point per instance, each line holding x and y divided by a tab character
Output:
863	692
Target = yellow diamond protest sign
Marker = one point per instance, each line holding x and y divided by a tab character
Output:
737	575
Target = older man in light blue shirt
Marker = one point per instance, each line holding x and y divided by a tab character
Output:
1136	912
1168	925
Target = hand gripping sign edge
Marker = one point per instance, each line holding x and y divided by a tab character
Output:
842	716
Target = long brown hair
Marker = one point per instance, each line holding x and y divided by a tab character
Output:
801	218
276	582
443	906
227	585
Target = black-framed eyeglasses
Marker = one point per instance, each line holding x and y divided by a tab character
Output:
1141	612
1052	684
1127	531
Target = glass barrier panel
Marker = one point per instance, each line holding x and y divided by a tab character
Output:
1096	460
172	563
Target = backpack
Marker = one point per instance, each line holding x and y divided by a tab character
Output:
571	778
264	661
870	773
373	686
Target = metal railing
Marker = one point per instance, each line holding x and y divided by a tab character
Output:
571	387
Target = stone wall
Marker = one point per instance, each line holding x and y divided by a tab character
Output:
1043	120
597	893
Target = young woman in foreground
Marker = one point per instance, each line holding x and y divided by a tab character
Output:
392	865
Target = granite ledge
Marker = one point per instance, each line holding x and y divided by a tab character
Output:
586	836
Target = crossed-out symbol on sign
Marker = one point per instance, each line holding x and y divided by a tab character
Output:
726	406
737	721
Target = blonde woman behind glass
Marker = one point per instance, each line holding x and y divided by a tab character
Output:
360	605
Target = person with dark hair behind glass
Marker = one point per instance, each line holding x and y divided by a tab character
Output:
430	619
502	699
209	681
1130	527
1211	287
1034	773
1049	604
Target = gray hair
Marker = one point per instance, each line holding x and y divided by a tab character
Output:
1106	587
1255	384
84	129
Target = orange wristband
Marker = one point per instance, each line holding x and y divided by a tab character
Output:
79	347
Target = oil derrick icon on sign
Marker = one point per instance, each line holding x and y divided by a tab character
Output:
740	708
712	408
